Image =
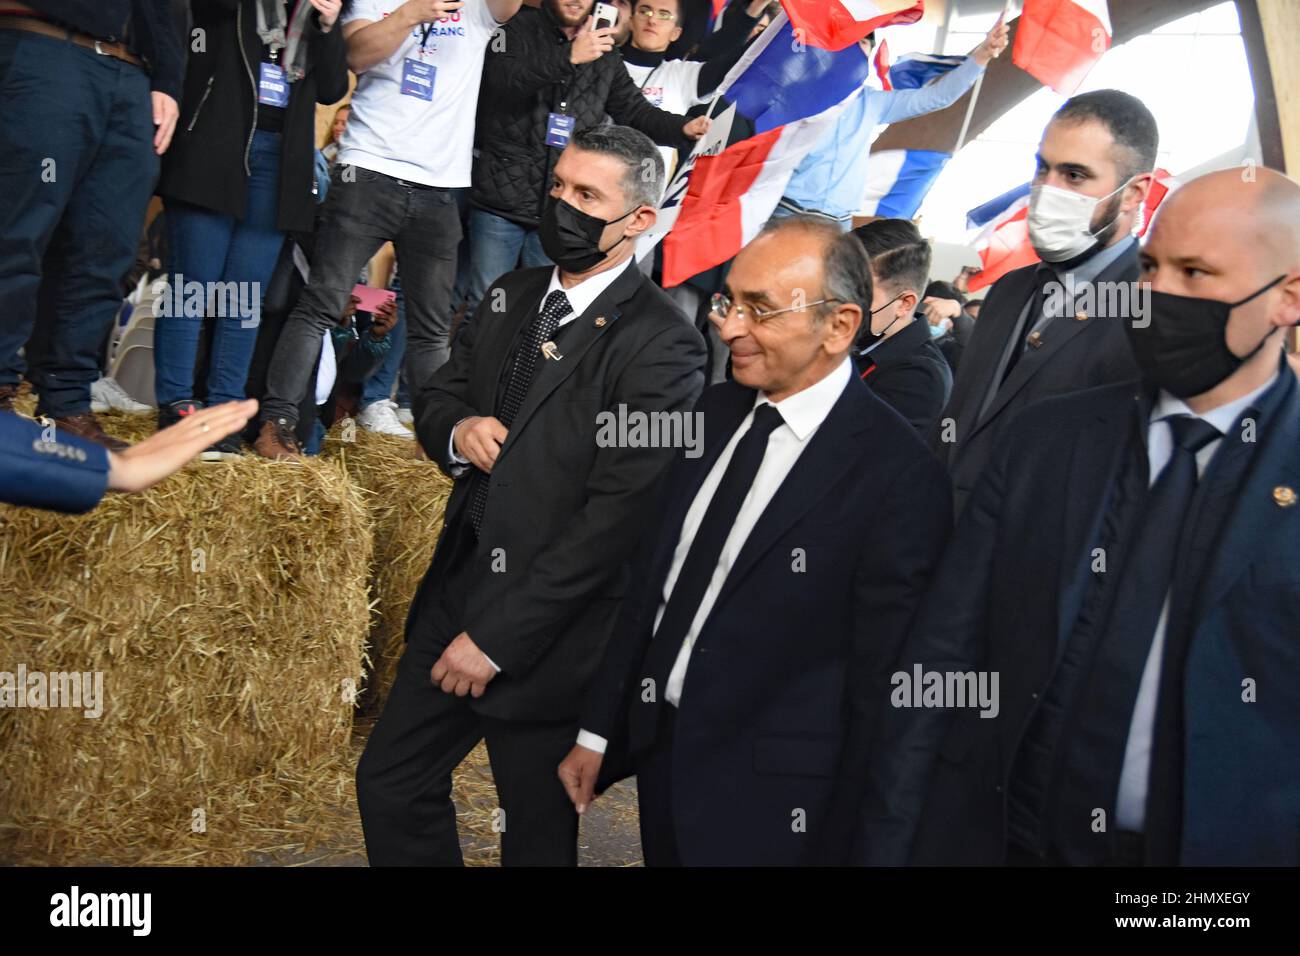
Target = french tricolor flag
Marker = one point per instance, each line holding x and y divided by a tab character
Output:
1059	41
791	87
1002	236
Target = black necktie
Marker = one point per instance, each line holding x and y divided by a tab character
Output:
1037	308
702	559
541	330
1164	805
1104	711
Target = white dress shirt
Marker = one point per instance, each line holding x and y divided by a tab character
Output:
803	413
581	296
1131	802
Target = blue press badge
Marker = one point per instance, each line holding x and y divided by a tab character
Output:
273	88
417	79
558	129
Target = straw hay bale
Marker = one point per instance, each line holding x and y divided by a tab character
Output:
224	687
406	496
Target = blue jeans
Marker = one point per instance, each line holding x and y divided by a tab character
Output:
77	167
495	248
379	386
209	247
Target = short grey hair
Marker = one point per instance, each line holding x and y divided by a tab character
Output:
846	267
643	180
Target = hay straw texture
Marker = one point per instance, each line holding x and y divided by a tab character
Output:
225	688
405	496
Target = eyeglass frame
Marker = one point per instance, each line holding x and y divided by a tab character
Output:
760	318
654	14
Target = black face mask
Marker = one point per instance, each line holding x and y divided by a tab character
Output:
1183	347
571	237
868	339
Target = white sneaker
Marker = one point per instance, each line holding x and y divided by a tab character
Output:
381	417
405	417
107	396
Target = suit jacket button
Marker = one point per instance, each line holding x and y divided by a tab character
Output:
1284	496
600	322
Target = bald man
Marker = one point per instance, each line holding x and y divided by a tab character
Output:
1127	568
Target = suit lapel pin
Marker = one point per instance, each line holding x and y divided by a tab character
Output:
1035	340
1081	316
550	351
600	322
1283	496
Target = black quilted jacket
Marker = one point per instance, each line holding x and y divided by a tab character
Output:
527	75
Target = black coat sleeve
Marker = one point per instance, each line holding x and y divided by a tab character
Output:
730	39
519	63
666	375
915	519
949	635
167	64
329	52
916	391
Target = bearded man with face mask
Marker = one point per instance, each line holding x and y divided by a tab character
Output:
1127	565
1049	328
509	625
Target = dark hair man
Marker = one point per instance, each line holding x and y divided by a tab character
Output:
895	354
508	627
1045	331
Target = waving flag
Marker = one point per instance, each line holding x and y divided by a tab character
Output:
1003	238
1002	242
882	65
836	24
1059	41
791	93
915	70
898	180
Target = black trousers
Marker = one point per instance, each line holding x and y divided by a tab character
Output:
654	795
404	777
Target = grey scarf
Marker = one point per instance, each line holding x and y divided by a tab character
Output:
279	34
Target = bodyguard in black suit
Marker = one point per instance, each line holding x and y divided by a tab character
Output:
1128	566
746	674
896	355
510	622
1042	330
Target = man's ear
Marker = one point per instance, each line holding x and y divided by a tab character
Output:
842	327
641	220
906	304
1142	184
1289	314
677	35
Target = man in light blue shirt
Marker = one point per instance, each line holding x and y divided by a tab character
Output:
832	178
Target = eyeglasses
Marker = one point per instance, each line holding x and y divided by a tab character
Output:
649	13
721	306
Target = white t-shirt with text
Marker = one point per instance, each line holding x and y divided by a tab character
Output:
413	113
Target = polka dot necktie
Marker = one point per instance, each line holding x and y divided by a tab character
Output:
555	308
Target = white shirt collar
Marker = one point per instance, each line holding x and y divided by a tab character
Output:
582	295
1222	418
805	410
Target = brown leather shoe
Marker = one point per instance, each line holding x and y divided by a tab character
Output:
86	426
7	395
275	441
